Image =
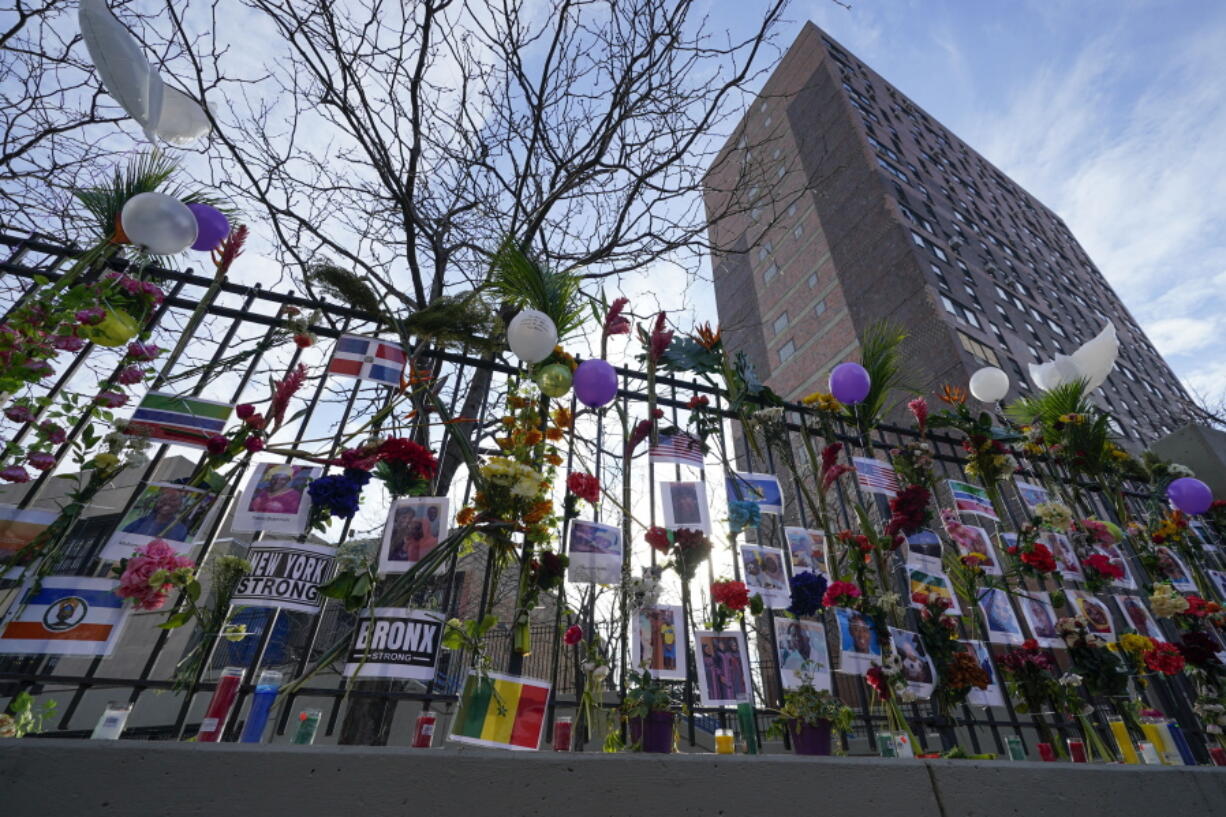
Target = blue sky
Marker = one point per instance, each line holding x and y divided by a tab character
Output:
1112	113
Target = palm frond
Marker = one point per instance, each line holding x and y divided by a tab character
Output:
1049	406
349	288
454	320
519	279
879	355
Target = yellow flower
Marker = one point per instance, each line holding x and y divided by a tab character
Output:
234	632
823	401
104	460
1136	644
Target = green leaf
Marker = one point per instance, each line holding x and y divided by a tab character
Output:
177	620
193	590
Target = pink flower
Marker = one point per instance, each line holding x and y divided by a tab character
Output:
919	408
574	634
41	460
244	410
217	444
67	343
253	444
659	339
147	578
39	368
153	290
255	420
130	374
19	413
614	322
92	316
112	399
15	473
54	433
143	351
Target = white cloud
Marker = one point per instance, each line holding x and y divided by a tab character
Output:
1176	336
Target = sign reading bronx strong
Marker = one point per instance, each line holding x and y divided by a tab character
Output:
395	642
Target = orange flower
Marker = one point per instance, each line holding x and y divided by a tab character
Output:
508	421
504	442
517	402
553	434
533	437
538	511
952	395
553	459
466	516
705	335
562	417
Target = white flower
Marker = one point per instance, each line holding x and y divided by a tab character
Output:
1177	470
1070	679
769	415
889	601
1213	729
588	666
600	673
907	696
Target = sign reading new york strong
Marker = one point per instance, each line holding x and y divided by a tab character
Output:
286	575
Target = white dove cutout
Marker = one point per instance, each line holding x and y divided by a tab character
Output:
132	81
1092	362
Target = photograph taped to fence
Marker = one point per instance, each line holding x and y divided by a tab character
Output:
415	525
168	511
276	499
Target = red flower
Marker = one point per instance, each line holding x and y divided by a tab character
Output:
614	322
1196	607
417	458
304	340
840	594
919	407
574	634
244	410
660	338
1040	558
283	391
217	444
833	474
1103	566
908	510
1164	658
699	401
657	537
732	594
1030	644
877	680
584	486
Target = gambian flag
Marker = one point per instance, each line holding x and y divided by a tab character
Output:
503	711
368	359
66	615
972	499
170	418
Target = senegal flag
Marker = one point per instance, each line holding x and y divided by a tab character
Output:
503	711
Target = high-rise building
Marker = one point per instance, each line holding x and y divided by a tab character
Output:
843	203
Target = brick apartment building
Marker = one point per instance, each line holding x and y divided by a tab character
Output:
838	202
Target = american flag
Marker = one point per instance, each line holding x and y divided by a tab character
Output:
875	476
678	447
368	359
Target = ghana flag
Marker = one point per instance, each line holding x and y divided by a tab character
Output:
503	711
169	418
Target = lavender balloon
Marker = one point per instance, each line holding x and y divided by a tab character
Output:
214	227
595	383
1189	495
849	383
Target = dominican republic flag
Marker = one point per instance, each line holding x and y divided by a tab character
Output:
170	418
972	499
679	448
501	711
875	476
368	359
66	615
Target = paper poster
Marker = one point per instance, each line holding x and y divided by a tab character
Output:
875	476
1066	556
994	695
723	668
658	642
65	615
1041	616
595	553
923	550
165	510
1136	615
1094	610
859	645
764	573
1218	577
761	488
685	506
935	584
501	711
972	499
1174	570
1031	495
415	525
917	667
807	548
1118	559
396	642
286	575
803	654
1003	626
276	499
18	528
980	543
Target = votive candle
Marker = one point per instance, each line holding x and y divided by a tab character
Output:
1123	740
1149	754
1218	755
114	717
308	723
214	722
1046	752
1155	738
423	730
561	734
725	743
1181	743
261	706
1077	750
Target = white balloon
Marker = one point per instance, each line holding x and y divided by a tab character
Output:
121	64
1096	358
532	336
989	384
183	121
159	223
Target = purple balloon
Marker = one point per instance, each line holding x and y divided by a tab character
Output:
213	227
1189	495
595	383
849	383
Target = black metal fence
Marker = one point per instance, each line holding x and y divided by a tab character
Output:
232	353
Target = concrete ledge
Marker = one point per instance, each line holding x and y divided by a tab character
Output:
42	777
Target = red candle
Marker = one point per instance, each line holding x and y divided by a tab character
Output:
1077	751
561	735
423	733
215	717
1219	755
1046	752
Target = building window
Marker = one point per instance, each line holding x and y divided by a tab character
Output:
798	231
780	323
939	253
980	352
812	280
764	251
918	239
786	351
770	273
819	307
